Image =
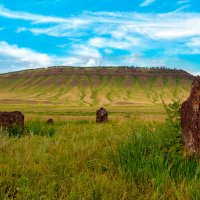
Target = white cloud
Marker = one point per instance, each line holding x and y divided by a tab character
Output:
85	51
108	51
177	31
155	26
69	61
23	56
147	3
71	22
4	12
61	30
183	1
193	46
124	44
167	26
195	73
17	58
92	62
13	57
194	42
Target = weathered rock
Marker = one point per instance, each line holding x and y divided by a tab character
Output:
50	122
11	119
101	115
190	119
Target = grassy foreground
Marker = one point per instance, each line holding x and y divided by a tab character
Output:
122	159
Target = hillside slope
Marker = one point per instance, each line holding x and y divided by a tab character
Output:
73	86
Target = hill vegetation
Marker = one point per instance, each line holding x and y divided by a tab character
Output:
107	86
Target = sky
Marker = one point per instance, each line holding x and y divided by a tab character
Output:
145	33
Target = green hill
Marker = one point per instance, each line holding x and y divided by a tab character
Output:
108	86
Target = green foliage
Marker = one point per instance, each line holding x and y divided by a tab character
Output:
122	159
71	165
173	121
173	113
153	159
39	128
15	131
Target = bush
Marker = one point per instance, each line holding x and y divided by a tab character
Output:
173	113
173	121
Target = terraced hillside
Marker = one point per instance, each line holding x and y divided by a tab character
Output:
94	86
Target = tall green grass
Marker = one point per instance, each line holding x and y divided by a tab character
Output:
39	128
31	128
122	159
155	161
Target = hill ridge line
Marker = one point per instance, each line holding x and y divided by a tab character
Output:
99	71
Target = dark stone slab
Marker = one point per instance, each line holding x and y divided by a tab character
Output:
101	115
190	119
11	119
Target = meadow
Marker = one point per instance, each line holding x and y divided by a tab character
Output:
79	159
138	154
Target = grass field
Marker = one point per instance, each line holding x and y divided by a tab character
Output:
60	112
123	159
136	155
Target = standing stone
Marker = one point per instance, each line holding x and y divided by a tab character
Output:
101	115
50	122
11	119
190	119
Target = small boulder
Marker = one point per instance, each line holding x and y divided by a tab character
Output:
101	115
11	119
190	119
50	122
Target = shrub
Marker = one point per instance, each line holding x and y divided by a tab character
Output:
173	121
173	113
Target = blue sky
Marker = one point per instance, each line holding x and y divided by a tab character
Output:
41	33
